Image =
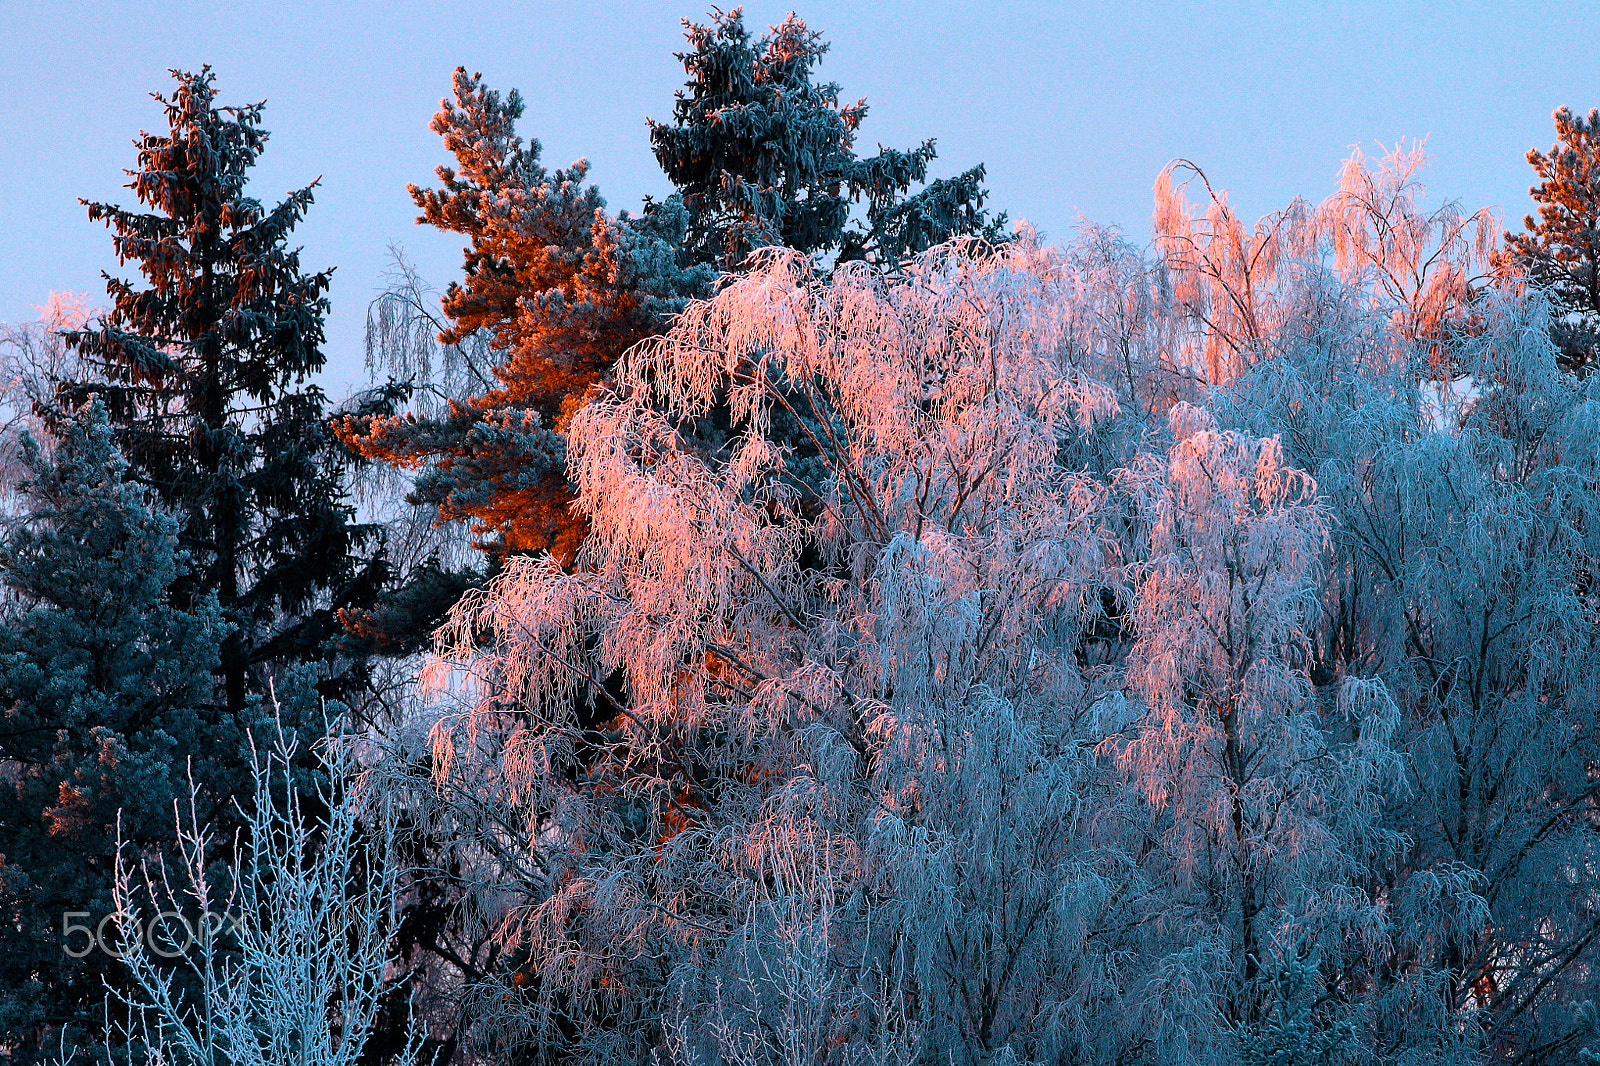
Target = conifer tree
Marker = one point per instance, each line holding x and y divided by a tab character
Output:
105	685
203	375
1561	248
763	156
561	288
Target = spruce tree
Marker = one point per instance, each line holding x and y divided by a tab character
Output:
763	156
106	705
204	372
1561	249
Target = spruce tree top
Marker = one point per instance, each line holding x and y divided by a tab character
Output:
763	156
222	284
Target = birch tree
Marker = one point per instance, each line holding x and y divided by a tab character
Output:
277	954
935	685
767	648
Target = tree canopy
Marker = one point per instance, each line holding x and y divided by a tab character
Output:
891	644
559	288
1006	720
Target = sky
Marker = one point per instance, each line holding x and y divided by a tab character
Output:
1075	107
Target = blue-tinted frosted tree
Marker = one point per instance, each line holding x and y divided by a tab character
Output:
279	951
1459	576
1264	802
106	686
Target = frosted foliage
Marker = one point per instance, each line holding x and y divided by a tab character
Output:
1119	320
930	413
802	641
1461	573
960	669
808	727
1240	289
276	954
1487	533
1260	813
1225	276
1419	267
33	359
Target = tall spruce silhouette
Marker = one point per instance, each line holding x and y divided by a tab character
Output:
203	372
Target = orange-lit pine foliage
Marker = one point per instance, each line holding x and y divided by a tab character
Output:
561	289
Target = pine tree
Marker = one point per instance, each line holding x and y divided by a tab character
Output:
1561	248
763	156
107	695
204	379
561	287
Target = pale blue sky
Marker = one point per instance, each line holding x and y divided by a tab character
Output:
1075	107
